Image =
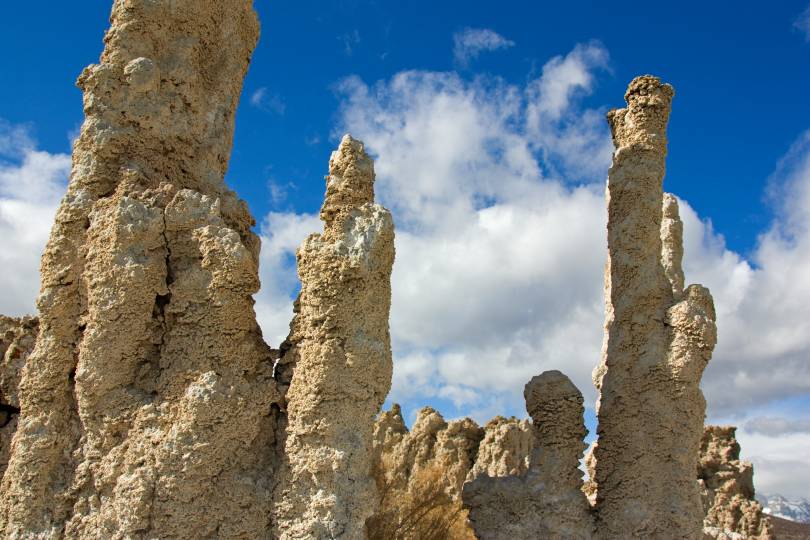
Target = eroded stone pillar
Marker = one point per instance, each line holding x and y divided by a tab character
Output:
548	501
658	340
339	357
146	403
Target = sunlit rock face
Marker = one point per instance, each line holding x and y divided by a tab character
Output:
727	489
147	402
658	340
338	358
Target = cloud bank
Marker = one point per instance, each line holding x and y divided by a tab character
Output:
498	195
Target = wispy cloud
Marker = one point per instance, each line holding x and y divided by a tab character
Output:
802	23
775	425
350	41
469	43
268	101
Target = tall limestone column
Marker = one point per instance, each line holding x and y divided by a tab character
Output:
339	357
147	403
658	340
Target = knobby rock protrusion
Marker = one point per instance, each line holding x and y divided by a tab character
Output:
727	489
548	501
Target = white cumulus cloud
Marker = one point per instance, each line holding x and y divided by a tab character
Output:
497	192
31	184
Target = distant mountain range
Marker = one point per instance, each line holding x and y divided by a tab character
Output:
797	510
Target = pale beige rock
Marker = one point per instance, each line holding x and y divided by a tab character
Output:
17	339
505	449
147	403
658	340
727	489
338	358
420	473
452	447
548	501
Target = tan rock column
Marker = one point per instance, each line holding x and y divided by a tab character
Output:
340	354
658	340
146	404
548	501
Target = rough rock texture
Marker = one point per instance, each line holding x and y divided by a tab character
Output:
548	501
420	473
727	489
505	449
147	403
338	356
658	340
17	339
452	447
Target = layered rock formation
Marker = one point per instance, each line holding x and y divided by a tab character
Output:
339	354
17	339
727	489
658	340
548	501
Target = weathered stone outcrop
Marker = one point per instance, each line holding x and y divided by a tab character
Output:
17	339
548	501
338	358
420	473
727	489
147	402
505	449
452	447
658	340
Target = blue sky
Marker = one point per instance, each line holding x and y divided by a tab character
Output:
741	71
488	152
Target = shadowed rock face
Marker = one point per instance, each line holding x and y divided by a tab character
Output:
17	339
548	501
658	340
727	489
338	358
147	401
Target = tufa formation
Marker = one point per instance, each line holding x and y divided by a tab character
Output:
548	501
150	406
339	355
150	390
144	403
658	339
17	339
727	489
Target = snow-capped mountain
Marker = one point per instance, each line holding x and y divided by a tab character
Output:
797	510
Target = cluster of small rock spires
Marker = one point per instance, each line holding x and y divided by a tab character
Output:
144	403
